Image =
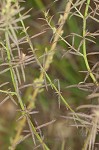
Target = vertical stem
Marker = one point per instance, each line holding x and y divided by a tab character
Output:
63	145
13	76
84	44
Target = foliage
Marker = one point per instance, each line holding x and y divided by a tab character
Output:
49	74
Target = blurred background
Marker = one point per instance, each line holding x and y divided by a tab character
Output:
65	70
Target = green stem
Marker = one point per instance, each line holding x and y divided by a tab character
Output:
84	44
63	145
45	147
13	76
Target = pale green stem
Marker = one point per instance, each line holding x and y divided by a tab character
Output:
84	44
13	76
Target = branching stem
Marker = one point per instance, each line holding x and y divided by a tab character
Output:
84	44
